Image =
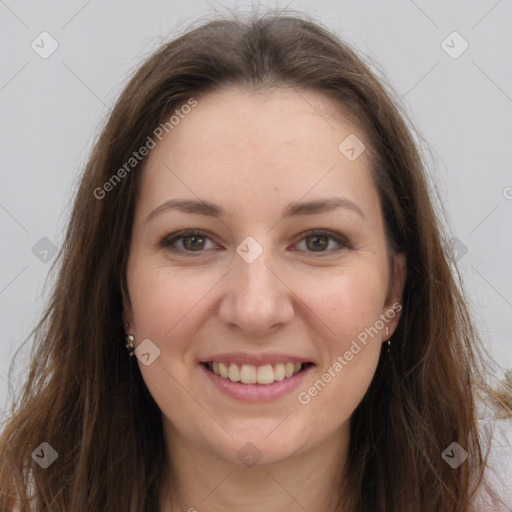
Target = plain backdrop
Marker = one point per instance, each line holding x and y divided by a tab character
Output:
457	89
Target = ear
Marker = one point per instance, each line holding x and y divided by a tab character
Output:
127	307
393	305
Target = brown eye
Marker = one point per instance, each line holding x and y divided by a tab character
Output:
185	242
318	241
195	242
190	241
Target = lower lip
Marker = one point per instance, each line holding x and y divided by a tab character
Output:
257	392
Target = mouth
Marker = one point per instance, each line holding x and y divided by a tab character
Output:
263	375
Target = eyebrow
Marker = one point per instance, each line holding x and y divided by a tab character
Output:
208	209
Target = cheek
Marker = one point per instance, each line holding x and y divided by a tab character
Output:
163	303
348	304
350	307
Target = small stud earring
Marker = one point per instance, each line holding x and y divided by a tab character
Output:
130	338
129	343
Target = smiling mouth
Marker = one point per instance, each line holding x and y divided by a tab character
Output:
250	374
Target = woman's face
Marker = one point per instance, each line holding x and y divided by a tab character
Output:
254	291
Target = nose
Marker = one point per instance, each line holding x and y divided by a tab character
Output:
256	300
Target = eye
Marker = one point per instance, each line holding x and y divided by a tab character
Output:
191	241
318	240
194	241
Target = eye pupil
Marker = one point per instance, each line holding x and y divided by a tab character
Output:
322	239
194	238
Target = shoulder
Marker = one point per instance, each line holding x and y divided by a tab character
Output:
496	489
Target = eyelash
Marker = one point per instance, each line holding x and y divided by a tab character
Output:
168	241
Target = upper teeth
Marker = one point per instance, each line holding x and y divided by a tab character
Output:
250	374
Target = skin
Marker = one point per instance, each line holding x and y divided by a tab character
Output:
254	153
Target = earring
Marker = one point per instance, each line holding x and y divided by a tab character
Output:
130	338
389	339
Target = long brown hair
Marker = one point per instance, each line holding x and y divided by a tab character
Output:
86	398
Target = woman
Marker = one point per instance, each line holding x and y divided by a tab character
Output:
203	350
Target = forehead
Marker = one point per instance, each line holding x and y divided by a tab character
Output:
283	121
238	145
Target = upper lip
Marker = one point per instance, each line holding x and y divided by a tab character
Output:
255	359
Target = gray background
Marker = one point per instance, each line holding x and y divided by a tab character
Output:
51	110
